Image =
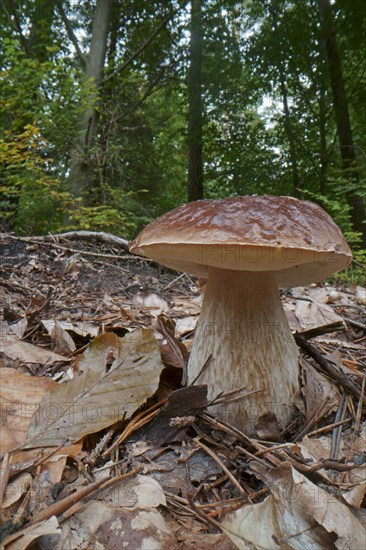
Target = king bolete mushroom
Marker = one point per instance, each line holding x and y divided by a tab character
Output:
247	247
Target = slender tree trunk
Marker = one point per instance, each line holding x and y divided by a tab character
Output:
288	130
286	109
341	112
81	170
322	117
195	162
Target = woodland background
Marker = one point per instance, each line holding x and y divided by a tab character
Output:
115	111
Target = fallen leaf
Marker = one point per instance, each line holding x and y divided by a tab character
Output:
22	539
152	302
360	295
61	340
26	353
173	353
140	492
16	488
113	377
185	325
20	395
172	418
355	496
82	328
186	306
311	315
18	329
127	512
298	514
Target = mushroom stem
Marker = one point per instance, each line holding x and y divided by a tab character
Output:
244	327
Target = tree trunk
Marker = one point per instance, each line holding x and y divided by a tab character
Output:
341	112
290	137
81	171
286	109
195	162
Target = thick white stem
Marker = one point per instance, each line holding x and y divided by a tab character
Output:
244	327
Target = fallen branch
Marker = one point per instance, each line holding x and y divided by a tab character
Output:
70	235
326	367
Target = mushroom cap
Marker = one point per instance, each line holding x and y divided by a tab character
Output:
296	239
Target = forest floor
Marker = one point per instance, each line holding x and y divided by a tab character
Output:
93	455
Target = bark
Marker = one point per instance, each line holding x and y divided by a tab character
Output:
290	137
195	160
342	117
286	109
323	142
81	170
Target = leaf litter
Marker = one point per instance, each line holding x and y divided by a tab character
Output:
103	442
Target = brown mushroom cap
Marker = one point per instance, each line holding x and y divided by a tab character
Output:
295	239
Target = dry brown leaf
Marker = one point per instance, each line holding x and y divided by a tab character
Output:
61	340
16	488
298	514
313	315
22	539
151	302
127	512
186	306
355	496
26	353
114	377
173	353
20	395
18	329
185	325
360	295
82	328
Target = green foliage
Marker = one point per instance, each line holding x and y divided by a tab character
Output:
337	206
137	163
31	198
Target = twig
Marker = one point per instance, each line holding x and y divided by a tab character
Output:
251	456
201	514
203	368
4	476
337	432
213	455
140	420
156	31
356	324
174	281
72	235
323	409
71	33
64	504
328	427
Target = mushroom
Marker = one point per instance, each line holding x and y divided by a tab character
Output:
247	247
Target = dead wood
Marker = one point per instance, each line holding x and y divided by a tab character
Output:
72	235
325	366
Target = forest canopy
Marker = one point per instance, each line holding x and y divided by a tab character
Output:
115	111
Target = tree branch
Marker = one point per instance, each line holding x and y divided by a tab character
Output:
70	235
145	44
71	33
